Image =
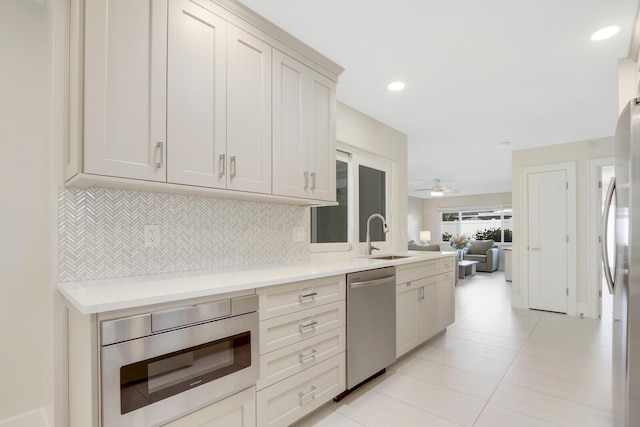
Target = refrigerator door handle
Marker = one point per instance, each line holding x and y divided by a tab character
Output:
603	244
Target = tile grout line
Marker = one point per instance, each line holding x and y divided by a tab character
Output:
507	371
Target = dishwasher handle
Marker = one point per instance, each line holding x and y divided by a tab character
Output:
375	282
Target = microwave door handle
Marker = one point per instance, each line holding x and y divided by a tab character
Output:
605	237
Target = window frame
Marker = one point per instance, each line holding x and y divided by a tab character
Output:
460	210
345	157
354	160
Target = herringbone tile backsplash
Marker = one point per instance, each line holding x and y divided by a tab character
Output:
101	233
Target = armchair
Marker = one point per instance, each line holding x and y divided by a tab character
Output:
485	253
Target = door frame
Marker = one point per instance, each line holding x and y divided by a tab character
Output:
570	169
594	276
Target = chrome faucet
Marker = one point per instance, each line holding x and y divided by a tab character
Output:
368	246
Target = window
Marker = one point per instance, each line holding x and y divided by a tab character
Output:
362	189
330	224
480	224
372	199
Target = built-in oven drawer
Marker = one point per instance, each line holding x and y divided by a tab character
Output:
285	299
292	398
295	358
150	380
292	328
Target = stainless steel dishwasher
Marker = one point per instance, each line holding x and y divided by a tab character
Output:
371	323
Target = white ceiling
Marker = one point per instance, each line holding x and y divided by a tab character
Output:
477	72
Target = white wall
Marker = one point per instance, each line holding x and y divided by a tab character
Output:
26	164
415	220
579	152
369	135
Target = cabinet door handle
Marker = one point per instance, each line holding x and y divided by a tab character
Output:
422	293
160	145
311	324
305	357
310	393
222	164
232	166
306	180
313	181
311	295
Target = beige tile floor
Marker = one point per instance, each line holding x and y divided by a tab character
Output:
496	366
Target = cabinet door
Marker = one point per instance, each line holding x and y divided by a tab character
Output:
322	137
445	300
427	323
407	336
196	92
290	134
238	410
125	88
248	112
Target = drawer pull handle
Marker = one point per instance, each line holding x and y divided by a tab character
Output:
311	295
310	393
311	324
305	357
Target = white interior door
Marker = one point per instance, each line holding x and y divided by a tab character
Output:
547	245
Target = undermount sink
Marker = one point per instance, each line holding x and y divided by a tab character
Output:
390	257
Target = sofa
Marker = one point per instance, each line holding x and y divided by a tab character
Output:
414	247
485	252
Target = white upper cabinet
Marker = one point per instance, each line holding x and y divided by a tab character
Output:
176	95
322	137
125	88
304	111
248	112
196	96
219	102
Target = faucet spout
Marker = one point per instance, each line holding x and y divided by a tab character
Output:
368	246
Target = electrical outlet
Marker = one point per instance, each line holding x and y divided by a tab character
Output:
298	234
152	236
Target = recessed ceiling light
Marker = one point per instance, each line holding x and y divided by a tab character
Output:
396	86
605	33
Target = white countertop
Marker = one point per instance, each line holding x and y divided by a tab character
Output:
99	296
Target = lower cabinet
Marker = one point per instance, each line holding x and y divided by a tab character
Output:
302	348
238	410
416	313
291	399
445	297
425	302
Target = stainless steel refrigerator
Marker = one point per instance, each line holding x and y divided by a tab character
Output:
622	269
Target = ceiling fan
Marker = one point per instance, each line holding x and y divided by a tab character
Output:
438	190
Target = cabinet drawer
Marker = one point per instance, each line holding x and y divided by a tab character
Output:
290	399
290	360
447	264
292	328
410	272
289	298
